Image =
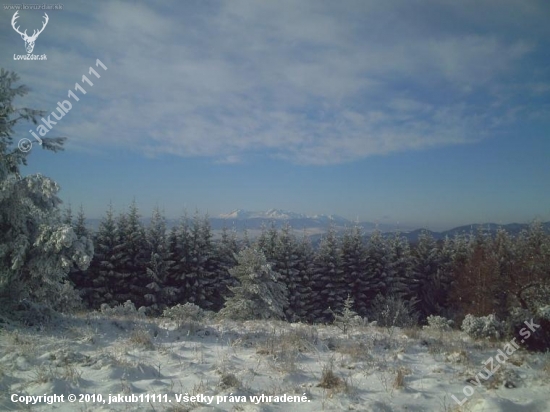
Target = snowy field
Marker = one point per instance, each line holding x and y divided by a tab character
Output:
367	369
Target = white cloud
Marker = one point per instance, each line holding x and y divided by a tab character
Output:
311	82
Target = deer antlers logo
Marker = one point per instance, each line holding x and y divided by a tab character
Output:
29	40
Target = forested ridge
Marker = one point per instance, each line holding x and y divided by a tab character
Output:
475	273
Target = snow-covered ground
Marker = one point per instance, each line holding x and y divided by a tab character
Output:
367	369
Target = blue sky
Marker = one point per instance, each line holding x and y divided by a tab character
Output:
430	113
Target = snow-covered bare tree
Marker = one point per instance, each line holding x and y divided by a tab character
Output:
260	294
37	250
502	273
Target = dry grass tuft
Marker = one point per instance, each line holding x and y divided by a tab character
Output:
286	346
517	360
413	332
229	380
47	373
546	364
141	337
329	380
399	382
356	351
460	356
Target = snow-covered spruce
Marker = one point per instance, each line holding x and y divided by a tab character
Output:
37	250
259	295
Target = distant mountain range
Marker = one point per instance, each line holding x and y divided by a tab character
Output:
512	228
316	225
244	219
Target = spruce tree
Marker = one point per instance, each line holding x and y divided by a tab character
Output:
377	275
105	278
196	263
286	261
67	218
245	242
179	257
160	295
445	278
133	249
404	281
462	249
80	227
354	265
37	250
260	294
173	267
225	251
303	301
430	287
328	283
531	284
345	319
80	278
267	241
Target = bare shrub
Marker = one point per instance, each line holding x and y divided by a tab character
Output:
126	310
483	327
390	311
438	323
188	315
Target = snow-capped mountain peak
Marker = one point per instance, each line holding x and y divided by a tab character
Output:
274	214
236	214
280	214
